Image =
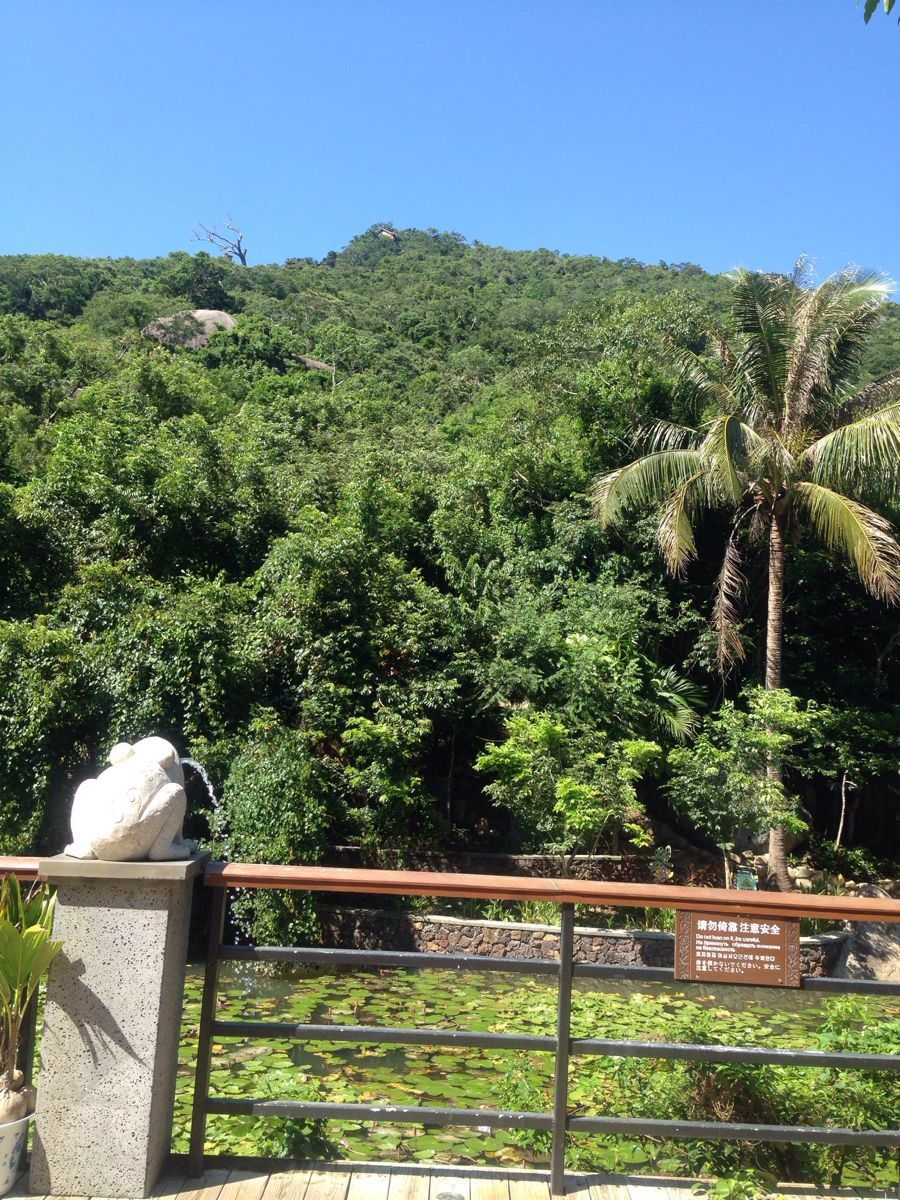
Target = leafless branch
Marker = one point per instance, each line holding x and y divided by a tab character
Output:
231	243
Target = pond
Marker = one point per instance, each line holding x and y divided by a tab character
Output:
378	1073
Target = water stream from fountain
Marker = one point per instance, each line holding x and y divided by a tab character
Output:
218	825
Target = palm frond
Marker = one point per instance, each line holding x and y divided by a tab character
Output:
760	525
761	310
643	483
730	587
674	532
666	435
710	378
726	451
865	537
802	274
880	393
862	457
677	701
832	324
771	462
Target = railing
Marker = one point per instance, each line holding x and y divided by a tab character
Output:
559	1121
220	877
22	867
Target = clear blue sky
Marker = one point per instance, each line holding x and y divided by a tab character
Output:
706	130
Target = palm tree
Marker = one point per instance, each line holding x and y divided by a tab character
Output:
786	447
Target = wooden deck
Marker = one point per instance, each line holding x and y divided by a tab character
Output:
364	1181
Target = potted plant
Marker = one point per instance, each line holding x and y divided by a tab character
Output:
26	950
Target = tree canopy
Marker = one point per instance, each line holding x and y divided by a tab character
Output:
786	447
344	553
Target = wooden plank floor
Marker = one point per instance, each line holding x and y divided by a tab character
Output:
365	1181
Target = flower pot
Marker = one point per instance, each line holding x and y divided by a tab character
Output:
12	1152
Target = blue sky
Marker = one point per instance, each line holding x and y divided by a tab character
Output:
704	130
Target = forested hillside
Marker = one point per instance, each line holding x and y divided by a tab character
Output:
372	599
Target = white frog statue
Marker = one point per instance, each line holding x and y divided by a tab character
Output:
133	810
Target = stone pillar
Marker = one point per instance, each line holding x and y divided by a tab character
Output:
109	1048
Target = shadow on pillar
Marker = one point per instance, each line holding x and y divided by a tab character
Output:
109	1049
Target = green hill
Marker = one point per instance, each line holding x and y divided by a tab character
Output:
338	586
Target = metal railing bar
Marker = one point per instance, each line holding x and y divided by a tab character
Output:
869	987
723	1130
204	1037
619	971
811	983
563	1041
757	1055
501	1119
612	1047
411	960
377	1033
417	960
401	1113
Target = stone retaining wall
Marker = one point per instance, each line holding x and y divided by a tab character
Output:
374	929
538	866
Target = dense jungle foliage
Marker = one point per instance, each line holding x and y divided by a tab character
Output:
372	599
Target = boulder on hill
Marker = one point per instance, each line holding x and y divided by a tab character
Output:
191	328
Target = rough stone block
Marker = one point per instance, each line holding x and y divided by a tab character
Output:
109	1049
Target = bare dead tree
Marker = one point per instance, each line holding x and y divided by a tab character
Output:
230	243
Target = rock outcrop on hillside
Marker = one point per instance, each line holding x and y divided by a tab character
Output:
191	328
872	951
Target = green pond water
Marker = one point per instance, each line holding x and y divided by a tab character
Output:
384	1074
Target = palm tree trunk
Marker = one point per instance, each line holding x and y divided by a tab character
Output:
777	855
774	614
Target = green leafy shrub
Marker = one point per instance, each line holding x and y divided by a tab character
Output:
720	783
568	792
26	951
275	800
853	862
47	711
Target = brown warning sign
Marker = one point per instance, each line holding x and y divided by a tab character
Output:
738	948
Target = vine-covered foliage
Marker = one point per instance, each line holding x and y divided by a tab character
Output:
371	596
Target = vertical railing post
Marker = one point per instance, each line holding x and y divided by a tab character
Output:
27	1037
204	1038
561	1072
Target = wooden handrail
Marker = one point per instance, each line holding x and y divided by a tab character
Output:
21	867
561	891
518	887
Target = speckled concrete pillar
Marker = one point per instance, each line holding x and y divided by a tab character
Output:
109	1049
